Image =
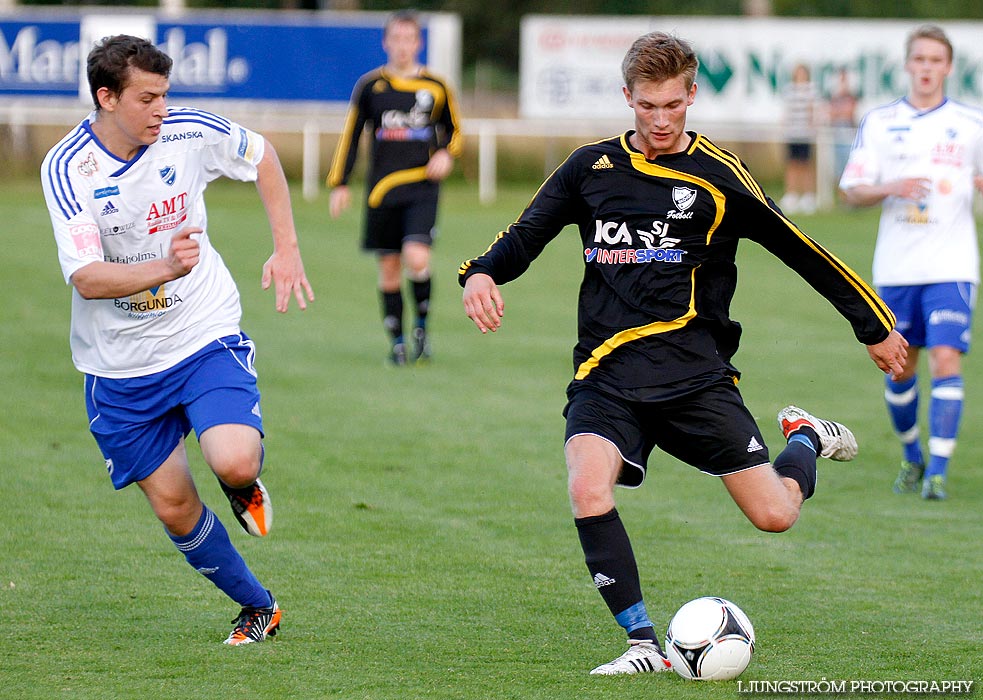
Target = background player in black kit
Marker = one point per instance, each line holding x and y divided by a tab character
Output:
415	140
660	212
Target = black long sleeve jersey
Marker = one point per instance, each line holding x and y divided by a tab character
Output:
410	118
659	245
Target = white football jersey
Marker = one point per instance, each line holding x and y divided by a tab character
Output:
933	240
104	208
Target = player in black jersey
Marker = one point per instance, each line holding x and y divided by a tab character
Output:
416	137
661	211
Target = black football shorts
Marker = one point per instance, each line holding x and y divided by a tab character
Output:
710	429
387	228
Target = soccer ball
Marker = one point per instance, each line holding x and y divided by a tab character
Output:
710	639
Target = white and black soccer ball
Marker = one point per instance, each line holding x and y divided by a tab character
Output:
710	639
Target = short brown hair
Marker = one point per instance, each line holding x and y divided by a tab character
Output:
658	57
400	17
928	31
109	62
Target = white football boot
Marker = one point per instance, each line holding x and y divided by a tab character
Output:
837	441
643	656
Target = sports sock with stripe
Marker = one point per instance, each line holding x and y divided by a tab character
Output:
208	549
611	562
798	460
902	406
945	412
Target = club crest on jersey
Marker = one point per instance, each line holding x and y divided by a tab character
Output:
683	198
168	175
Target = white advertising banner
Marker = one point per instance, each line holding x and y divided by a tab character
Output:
570	66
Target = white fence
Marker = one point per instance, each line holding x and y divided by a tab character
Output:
312	123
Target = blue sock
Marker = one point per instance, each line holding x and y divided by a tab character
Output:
634	618
945	410
902	407
208	549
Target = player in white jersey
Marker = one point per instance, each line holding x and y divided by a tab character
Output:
921	158
155	312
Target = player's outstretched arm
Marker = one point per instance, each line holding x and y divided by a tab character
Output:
483	302
890	354
284	269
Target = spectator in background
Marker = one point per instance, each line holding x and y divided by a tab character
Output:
416	136
800	119
920	158
843	120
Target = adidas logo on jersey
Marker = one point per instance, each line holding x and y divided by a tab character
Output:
600	580
109	209
603	163
754	445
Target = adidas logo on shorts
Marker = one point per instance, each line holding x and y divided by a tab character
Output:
754	445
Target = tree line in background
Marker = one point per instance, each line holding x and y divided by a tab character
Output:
491	29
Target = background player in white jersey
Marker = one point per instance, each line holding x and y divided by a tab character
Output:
921	157
155	312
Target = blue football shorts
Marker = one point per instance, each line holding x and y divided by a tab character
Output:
138	421
710	429
933	314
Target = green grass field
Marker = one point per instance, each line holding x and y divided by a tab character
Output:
423	545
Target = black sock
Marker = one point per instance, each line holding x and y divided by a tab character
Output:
392	314
647	633
611	561
421	295
797	461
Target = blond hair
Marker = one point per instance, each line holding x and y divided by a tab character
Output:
928	31
658	57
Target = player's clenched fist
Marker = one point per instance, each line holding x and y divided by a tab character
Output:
185	250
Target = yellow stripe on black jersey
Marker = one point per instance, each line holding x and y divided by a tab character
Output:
740	170
659	243
410	118
627	336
